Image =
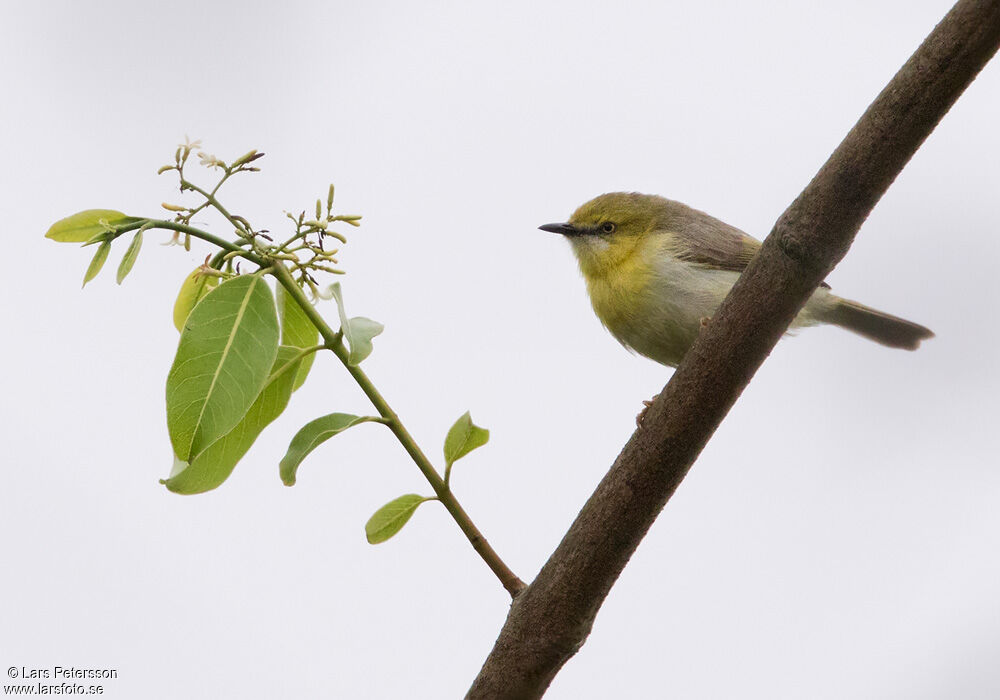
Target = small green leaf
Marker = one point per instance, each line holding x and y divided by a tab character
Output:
128	260
296	330
223	361
358	331
97	262
390	518
463	438
194	288
214	464
312	435
83	226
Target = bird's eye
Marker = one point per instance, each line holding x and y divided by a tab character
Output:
608	227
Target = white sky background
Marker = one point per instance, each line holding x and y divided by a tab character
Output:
838	538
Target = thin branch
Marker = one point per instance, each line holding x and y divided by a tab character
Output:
551	619
227	246
210	200
333	341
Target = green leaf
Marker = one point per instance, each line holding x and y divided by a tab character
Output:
83	226
463	438
223	360
194	288
128	260
358	331
97	262
214	464
312	435
296	330
103	236
390	518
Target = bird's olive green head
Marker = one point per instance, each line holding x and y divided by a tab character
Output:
608	230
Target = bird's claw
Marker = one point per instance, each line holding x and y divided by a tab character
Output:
642	414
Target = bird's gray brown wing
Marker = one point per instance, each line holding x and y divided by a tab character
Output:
704	240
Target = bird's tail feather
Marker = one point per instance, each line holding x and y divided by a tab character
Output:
876	325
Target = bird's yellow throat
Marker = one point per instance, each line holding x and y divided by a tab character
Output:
618	274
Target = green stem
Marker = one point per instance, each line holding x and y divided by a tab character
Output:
302	234
291	363
297	236
217	259
300	355
333	340
210	199
197	233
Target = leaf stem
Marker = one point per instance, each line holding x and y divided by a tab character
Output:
334	341
300	355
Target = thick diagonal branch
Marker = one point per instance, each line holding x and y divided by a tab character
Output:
551	619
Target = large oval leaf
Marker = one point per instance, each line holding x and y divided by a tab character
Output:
312	435
84	225
296	330
193	289
223	360
390	518
214	464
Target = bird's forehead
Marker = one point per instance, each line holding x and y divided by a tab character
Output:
615	206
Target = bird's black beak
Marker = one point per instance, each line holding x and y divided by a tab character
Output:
564	229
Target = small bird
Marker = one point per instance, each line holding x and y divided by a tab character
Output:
656	270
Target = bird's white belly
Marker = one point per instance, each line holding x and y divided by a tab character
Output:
676	302
660	318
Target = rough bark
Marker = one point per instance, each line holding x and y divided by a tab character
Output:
551	619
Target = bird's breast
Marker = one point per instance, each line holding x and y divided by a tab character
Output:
656	310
